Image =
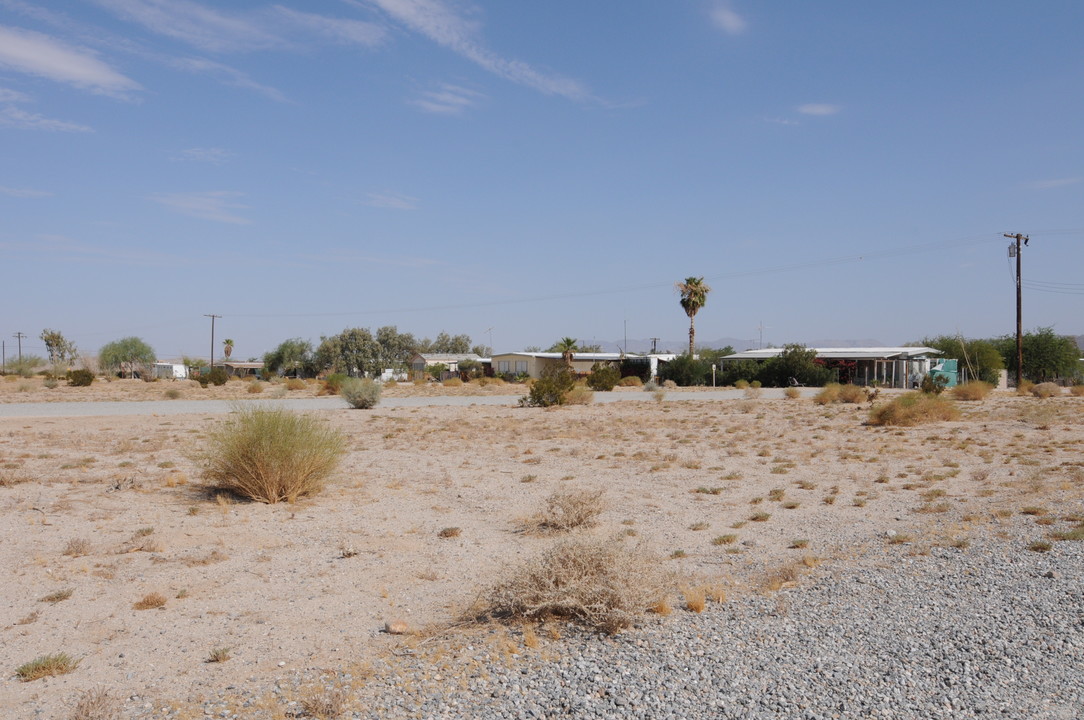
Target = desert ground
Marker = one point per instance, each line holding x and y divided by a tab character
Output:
747	496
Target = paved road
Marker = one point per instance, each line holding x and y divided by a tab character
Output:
218	407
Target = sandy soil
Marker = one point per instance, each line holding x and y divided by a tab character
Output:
113	509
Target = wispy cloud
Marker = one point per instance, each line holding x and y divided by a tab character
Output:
211	156
197	25
44	56
1054	183
12	96
821	109
341	30
215	205
17	118
227	75
440	23
726	19
392	201
781	121
447	100
23	192
60	248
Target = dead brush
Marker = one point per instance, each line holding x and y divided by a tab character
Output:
974	390
913	408
323	703
567	510
604	584
96	704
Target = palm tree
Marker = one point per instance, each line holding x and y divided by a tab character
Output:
566	346
227	347
694	294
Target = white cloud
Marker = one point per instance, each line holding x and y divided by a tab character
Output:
214	205
345	31
44	56
819	109
23	192
16	118
212	156
437	21
228	75
447	100
12	96
730	22
392	201
196	24
781	121
1054	183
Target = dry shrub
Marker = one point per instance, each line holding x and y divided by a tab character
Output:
852	394
77	547
580	395
792	393
172	394
151	601
483	381
630	381
696	599
601	583
567	510
974	390
1077	390
96	704
296	384
452	382
360	393
1045	390
914	408
255	387
1024	388
271	455
829	394
324	704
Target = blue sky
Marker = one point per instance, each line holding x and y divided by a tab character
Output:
527	171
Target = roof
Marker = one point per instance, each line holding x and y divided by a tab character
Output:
855	353
242	365
585	356
432	358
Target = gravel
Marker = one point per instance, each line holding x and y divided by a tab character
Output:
990	631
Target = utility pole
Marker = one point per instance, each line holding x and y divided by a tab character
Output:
19	336
212	338
654	342
1015	251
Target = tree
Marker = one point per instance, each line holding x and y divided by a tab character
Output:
61	350
395	348
796	361
482	351
694	295
1047	356
567	347
354	351
291	357
446	344
227	347
980	358
130	353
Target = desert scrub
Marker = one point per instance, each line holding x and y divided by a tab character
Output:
634	381
914	408
792	393
567	510
828	394
974	390
360	393
271	455
1077	390
1045	390
452	382
579	395
601	583
46	666
550	389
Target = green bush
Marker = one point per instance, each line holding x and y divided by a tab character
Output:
933	384
603	377
271	455
360	393
550	389
80	378
685	371
796	361
333	383
216	376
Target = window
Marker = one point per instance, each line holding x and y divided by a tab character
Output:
503	366
521	367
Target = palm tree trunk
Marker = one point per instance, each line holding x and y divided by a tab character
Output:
692	336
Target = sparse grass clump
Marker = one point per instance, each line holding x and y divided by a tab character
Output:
77	547
601	583
272	455
449	532
361	393
634	381
219	655
829	394
297	384
58	596
1045	390
852	394
96	704
914	408
792	393
254	387
46	666
172	394
452	382
974	390
567	510
1077	390
580	395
